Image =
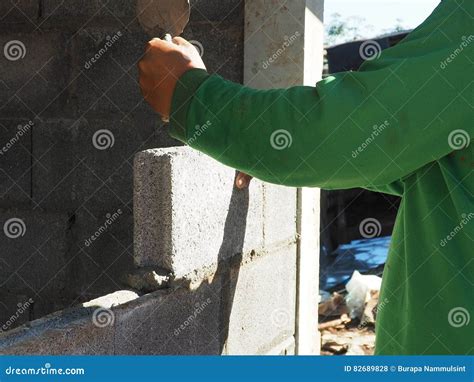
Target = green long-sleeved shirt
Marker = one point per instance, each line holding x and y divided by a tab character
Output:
403	125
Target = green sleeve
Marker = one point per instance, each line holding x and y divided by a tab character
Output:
367	129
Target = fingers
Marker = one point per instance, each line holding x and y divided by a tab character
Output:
156	42
180	41
161	66
242	180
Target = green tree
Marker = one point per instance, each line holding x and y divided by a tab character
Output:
339	30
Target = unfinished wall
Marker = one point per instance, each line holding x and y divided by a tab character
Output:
214	270
219	265
68	78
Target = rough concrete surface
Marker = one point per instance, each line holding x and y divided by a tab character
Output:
188	214
81	330
263	306
219	317
54	167
236	246
280	214
33	256
15	172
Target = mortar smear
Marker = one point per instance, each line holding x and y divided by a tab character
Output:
158	17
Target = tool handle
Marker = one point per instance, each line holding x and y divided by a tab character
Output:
167	38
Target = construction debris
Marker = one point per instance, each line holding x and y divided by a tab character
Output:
335	348
348	339
353	332
370	310
334	306
339	323
360	288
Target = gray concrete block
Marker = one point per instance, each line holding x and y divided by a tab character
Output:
34	245
105	74
78	337
88	164
100	253
19	11
280	214
166	322
34	263
88	8
15	310
15	162
34	74
188	215
286	347
222	46
148	280
92	72
246	309
263	305
81	330
217	10
177	321
201	10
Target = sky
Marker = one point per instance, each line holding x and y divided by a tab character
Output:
381	14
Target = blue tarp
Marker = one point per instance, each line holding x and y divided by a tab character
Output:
362	255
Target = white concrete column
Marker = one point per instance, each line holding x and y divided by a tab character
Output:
307	334
284	47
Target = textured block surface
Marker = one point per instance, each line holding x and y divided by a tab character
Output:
263	306
188	215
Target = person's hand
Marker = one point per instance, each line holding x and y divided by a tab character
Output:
160	68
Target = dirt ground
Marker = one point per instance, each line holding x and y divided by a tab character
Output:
348	339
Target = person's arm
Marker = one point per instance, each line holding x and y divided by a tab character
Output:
363	129
355	129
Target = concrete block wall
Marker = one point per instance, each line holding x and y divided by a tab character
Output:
213	231
182	225
69	129
209	269
230	288
175	321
